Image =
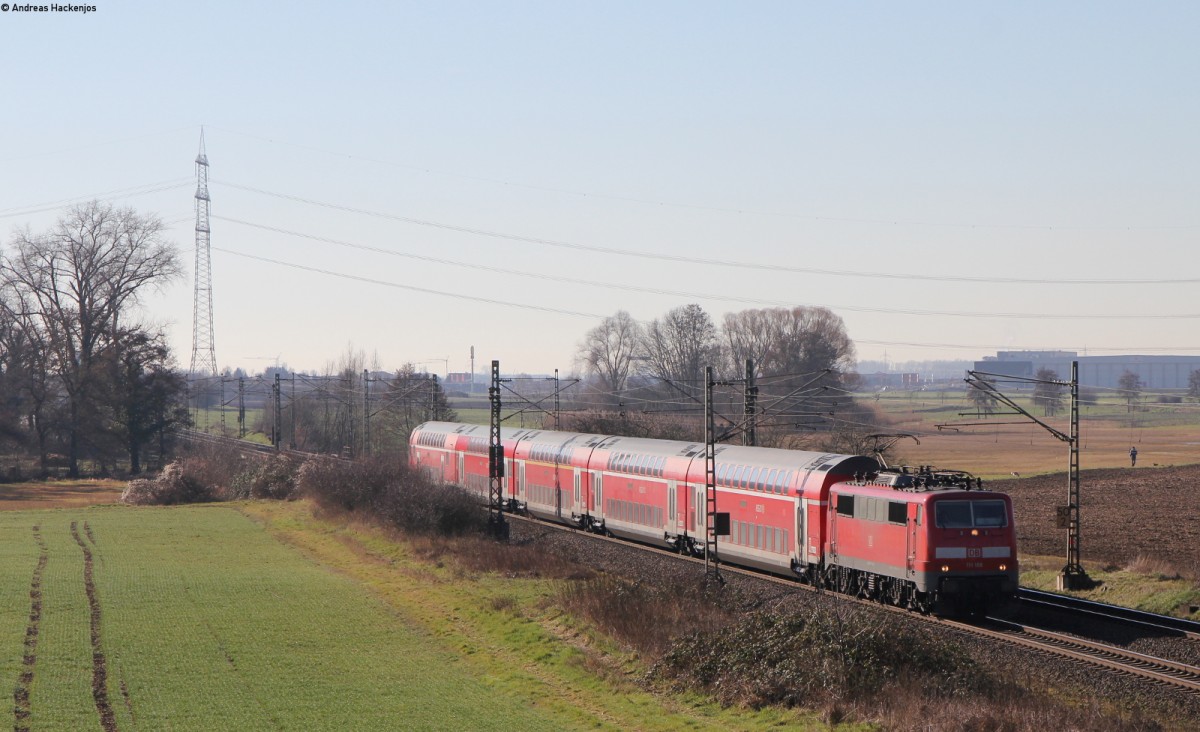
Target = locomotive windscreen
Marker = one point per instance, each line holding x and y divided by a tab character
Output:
971	514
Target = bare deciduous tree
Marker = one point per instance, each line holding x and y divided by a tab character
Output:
1131	390
608	351
77	282
678	346
1048	396
985	402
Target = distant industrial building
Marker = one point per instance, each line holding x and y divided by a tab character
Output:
886	380
1155	372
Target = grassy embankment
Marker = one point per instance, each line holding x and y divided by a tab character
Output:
1143	584
208	621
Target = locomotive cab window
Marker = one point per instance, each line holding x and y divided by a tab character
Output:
989	514
845	505
953	515
970	514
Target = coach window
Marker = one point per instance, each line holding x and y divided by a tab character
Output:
772	482
737	476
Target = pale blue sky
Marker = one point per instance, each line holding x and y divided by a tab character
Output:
1052	141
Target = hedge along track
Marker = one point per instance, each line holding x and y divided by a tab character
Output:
1160	672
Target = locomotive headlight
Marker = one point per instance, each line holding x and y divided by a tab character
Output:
945	567
974	532
1003	567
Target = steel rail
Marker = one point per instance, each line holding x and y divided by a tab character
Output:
1160	671
1175	626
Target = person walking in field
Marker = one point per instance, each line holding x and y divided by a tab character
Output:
1133	457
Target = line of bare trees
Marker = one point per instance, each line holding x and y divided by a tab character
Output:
802	357
79	375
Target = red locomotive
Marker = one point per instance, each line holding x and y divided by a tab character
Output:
924	539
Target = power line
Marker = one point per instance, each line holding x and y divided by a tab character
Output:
412	288
695	295
144	189
595	316
687	259
659	203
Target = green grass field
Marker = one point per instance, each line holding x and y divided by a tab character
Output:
209	623
260	616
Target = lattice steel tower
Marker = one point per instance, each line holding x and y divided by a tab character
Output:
204	353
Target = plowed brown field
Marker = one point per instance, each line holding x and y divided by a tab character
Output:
1124	513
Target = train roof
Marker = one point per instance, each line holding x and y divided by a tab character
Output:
800	460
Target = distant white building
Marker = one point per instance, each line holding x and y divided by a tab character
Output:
1155	372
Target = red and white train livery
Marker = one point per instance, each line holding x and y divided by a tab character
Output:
925	539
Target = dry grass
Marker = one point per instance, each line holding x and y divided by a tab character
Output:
1155	567
649	617
59	494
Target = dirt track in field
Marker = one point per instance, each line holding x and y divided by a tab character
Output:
21	708
1124	513
108	719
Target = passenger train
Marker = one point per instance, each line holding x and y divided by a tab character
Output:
925	539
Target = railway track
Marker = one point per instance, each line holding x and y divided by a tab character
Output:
1163	624
250	447
1161	672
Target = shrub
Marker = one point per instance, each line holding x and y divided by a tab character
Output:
388	490
177	484
841	655
275	478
